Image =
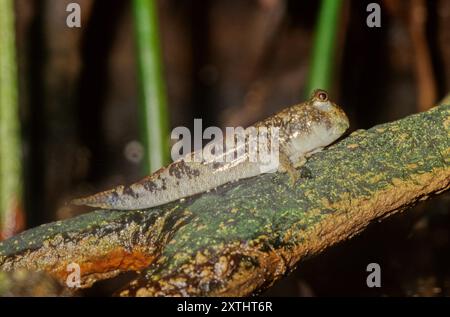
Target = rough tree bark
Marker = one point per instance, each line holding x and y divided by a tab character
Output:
239	239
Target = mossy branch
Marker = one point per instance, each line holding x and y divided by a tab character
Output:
239	239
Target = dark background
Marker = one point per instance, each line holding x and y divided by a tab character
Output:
232	63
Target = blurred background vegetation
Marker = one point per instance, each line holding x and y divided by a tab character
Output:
95	103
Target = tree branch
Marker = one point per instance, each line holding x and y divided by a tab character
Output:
240	238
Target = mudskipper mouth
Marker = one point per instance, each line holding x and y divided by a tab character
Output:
340	131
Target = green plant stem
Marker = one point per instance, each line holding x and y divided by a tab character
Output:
10	153
153	104
321	70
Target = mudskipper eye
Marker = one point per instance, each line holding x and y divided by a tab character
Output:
321	100
322	95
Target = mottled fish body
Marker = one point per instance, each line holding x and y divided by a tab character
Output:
302	129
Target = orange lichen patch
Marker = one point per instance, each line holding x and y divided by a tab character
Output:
352	146
324	202
109	264
402	137
447	123
221	266
200	258
374	178
358	132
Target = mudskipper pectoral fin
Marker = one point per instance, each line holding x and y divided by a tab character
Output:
290	168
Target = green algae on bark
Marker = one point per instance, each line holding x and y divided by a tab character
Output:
240	238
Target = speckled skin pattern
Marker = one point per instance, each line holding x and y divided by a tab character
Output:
303	130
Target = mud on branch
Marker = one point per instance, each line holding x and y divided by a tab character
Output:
240	238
